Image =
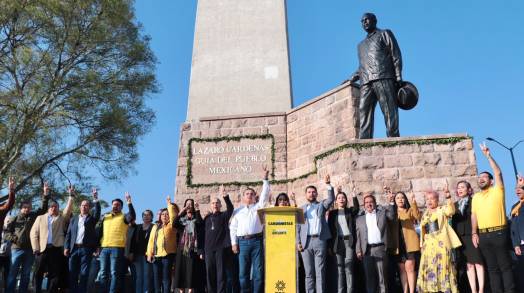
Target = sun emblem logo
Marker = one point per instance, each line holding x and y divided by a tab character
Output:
280	286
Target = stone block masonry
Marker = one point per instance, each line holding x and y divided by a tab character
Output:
302	145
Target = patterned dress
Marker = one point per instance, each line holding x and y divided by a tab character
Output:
437	272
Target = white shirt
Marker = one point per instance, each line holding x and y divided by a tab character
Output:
342	227
245	220
81	229
50	220
313	219
374	236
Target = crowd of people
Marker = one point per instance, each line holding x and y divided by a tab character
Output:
466	245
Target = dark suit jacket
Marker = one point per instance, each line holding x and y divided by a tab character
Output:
384	213
322	207
350	214
90	237
462	223
517	227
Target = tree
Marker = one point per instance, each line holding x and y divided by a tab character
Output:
74	79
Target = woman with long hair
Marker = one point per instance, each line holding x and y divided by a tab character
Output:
469	255
188	268
436	271
341	222
161	248
283	200
408	241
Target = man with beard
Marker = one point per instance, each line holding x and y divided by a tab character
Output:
312	237
113	243
489	228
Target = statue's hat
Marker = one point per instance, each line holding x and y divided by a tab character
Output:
407	96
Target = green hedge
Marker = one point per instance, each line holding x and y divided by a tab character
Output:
356	146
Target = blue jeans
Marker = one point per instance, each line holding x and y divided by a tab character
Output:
21	259
251	254
79	263
144	272
111	262
162	273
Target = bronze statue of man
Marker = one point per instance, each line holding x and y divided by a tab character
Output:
380	74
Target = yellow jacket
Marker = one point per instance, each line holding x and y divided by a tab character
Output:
445	232
115	230
165	236
406	219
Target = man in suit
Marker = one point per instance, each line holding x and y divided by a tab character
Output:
47	239
80	243
372	232
312	237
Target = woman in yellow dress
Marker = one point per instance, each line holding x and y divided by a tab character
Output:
437	272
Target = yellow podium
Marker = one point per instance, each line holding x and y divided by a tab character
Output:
280	265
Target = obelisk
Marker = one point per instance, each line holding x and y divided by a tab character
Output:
240	59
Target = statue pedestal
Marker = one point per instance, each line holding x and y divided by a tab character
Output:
303	144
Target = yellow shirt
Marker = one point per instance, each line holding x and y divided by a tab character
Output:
490	207
165	236
115	231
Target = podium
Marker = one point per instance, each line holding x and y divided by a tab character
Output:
280	254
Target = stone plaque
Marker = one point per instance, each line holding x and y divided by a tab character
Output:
227	161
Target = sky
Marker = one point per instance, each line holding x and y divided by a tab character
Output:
465	58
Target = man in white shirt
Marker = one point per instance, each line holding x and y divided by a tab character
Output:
312	237
246	237
372	242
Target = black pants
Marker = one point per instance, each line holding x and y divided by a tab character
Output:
519	270
216	270
5	264
494	247
52	261
383	91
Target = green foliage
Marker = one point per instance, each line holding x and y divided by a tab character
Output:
74	78
356	146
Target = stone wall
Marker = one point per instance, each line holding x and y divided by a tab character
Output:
319	137
212	127
409	163
318	126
